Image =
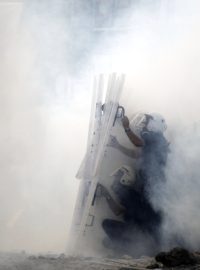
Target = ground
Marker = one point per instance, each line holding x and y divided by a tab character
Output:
22	261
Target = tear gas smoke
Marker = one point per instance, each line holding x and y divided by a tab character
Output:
162	63
41	122
48	55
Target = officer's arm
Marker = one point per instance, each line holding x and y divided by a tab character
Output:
128	152
113	142
134	138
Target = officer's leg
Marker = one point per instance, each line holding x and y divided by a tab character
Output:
113	228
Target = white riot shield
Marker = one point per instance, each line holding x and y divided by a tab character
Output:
99	166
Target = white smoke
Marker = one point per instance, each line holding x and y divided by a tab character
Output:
43	128
162	61
159	52
45	80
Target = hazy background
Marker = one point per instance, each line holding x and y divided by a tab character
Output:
43	130
49	51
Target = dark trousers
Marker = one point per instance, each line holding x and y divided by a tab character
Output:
119	233
121	236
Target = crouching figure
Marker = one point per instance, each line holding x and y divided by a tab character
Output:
134	189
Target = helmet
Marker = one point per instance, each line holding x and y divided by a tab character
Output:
156	123
124	175
137	123
151	122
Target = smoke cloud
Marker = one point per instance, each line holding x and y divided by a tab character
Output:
44	118
158	49
49	51
162	62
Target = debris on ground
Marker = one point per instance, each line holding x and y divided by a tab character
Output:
177	256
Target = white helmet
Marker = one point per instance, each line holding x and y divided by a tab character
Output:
124	175
156	123
137	123
152	122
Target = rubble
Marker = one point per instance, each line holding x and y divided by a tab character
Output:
177	257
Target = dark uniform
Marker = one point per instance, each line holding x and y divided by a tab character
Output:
139	212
